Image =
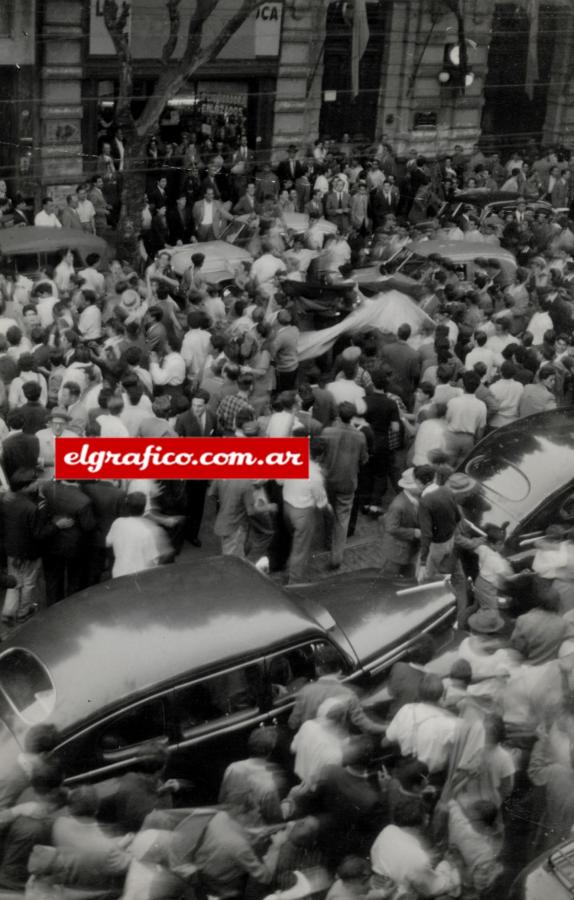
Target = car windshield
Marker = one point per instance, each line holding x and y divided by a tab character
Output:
500	476
26	686
408	263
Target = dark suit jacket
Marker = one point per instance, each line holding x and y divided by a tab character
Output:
35	417
187	425
406	366
68	500
181	228
403	685
400	521
107	502
20	451
334	212
244	208
158	198
284	173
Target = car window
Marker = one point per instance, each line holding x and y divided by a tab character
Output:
27	687
229	696
500	476
558	511
289	671
116	739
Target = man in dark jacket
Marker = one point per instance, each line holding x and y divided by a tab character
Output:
19	450
405	363
108	503
25	529
383	416
35	413
66	551
197	421
346	452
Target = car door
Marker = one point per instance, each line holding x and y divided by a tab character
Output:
109	748
558	510
212	718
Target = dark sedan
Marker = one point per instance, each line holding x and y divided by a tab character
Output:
193	658
526	476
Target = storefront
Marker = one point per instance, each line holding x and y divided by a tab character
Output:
233	94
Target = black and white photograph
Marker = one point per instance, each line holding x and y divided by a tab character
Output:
338	234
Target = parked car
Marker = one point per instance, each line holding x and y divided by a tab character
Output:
403	270
193	658
488	203
526	475
549	877
25	250
221	260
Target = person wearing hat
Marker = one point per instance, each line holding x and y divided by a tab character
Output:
486	649
26	527
58	427
402	533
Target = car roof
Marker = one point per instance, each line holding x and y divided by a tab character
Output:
132	634
460	250
521	465
221	258
34	239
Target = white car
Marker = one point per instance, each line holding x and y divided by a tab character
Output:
221	260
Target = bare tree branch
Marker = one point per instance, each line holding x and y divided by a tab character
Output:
116	19
173	78
174	25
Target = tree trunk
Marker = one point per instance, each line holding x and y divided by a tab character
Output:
134	181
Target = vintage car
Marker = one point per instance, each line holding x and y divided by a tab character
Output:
488	203
221	260
403	270
193	658
25	250
526	476
549	877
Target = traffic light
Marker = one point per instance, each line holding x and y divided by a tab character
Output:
455	74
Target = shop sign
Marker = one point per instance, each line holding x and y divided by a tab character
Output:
268	29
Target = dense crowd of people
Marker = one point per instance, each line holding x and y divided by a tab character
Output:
131	348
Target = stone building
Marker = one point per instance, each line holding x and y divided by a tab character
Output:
18	83
286	75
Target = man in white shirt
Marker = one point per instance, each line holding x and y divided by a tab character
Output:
346	389
47	217
195	346
170	371
90	321
93	278
424	729
265	269
86	210
111	425
508	394
466	419
137	542
482	353
301	497
501	337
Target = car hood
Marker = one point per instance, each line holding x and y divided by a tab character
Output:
376	620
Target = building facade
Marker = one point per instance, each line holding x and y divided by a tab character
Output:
285	77
18	82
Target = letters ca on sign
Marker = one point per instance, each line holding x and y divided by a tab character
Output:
268	29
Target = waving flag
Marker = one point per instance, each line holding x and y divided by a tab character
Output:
361	36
